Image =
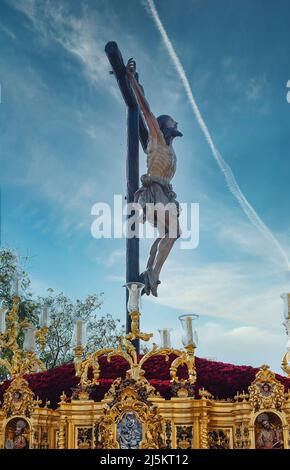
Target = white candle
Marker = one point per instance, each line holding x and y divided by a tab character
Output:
29	339
165	338
189	332
16	286
79	333
286	299
44	317
2	320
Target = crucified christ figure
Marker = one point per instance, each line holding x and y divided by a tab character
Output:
156	187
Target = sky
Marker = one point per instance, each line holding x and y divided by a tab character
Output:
63	148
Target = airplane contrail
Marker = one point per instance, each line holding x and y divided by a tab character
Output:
224	167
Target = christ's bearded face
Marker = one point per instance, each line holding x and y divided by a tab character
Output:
170	129
266	424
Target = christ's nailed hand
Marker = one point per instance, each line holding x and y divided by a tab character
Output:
131	66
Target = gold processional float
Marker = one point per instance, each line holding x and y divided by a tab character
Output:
132	414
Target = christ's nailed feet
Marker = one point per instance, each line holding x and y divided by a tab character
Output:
151	281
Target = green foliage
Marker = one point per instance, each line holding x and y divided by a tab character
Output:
11	266
103	331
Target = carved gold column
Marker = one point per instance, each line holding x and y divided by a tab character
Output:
62	433
203	419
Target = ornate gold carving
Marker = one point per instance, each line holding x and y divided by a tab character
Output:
219	439
242	436
266	391
203	419
20	362
184	437
241	396
40	335
127	351
84	437
139	399
18	398
62	433
203	422
63	398
168	434
135	329
130	396
185	358
286	363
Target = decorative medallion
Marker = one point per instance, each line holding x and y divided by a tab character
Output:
18	398
266	391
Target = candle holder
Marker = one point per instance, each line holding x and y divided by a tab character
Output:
134	299
189	336
78	353
133	305
20	360
41	336
189	341
88	369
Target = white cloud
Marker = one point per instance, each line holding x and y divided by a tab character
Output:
83	37
239	292
243	237
242	345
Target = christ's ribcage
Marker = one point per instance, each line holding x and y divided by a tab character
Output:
160	160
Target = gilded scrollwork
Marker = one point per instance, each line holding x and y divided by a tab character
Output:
266	391
18	398
84	437
219	439
88	368
242	436
130	399
184	436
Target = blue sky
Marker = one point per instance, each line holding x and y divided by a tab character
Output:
63	146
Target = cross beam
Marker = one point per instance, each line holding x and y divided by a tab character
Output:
136	129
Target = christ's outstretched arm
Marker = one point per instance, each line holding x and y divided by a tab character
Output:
153	126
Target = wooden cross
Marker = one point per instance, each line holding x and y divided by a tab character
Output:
136	129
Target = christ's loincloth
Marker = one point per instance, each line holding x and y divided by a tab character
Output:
156	190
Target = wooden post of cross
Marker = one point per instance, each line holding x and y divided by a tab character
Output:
136	130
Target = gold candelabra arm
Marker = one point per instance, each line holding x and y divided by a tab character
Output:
19	362
155	351
185	358
82	367
25	323
78	351
41	335
135	332
6	364
286	363
126	345
30	363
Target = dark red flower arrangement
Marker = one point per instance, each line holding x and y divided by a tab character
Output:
221	379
